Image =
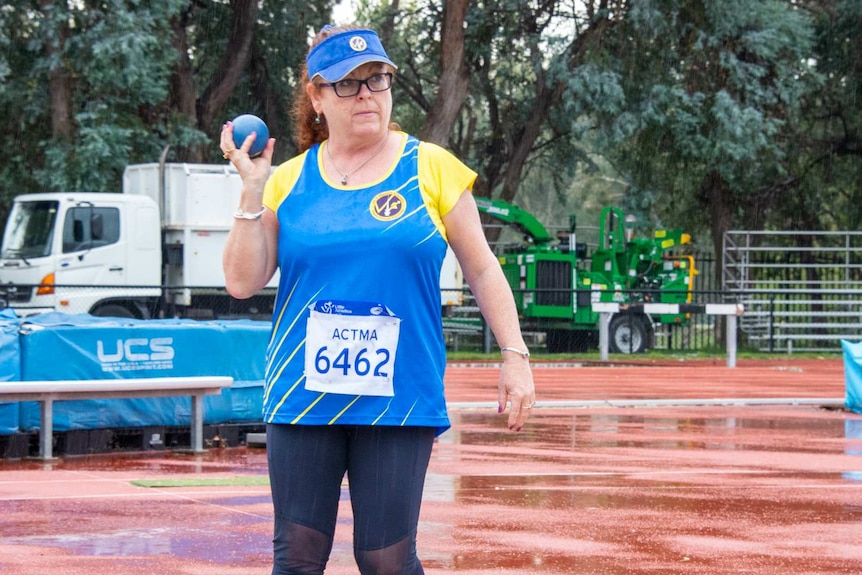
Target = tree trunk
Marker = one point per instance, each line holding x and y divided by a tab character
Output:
545	98
719	200
387	28
232	65
454	79
183	95
505	166
60	82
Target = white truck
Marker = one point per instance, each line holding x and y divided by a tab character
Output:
152	251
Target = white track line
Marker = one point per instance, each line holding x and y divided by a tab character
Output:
707	402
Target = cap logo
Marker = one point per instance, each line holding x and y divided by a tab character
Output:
357	44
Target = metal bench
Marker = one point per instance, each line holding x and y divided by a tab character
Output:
47	392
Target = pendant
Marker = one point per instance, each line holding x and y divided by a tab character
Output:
344	181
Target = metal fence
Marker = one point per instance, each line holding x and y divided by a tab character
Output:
791	321
802	291
777	322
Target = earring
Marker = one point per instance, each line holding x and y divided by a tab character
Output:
317	119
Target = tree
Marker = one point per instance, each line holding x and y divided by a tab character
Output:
90	87
822	188
79	77
454	77
707	114
506	125
691	98
241	58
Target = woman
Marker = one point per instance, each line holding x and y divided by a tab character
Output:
358	225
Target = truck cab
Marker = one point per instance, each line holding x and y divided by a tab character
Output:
91	244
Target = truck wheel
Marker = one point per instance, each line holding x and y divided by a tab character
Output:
113	310
627	334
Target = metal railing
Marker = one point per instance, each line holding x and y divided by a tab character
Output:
802	290
783	321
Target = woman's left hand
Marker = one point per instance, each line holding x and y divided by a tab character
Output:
516	389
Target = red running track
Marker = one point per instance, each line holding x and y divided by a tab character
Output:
701	489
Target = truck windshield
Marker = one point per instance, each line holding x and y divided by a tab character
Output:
29	229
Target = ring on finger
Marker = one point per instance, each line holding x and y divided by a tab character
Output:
227	153
530	405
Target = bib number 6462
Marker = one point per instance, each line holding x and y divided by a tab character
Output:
351	355
363	362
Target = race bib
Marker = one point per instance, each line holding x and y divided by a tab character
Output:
350	348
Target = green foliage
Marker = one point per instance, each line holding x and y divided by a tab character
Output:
822	188
116	58
113	66
122	53
689	90
594	88
672	109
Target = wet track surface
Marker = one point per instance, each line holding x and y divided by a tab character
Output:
718	487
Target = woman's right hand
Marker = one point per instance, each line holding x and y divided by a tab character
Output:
253	171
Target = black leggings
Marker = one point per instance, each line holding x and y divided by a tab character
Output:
385	468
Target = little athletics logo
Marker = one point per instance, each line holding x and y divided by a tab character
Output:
136	354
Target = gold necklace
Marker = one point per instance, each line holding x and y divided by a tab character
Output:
346	175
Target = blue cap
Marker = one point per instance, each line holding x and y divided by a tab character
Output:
340	54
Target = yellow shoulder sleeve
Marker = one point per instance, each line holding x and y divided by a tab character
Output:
281	182
442	180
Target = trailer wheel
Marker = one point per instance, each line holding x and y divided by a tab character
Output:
628	334
113	310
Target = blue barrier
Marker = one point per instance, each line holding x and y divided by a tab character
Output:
10	367
853	375
54	346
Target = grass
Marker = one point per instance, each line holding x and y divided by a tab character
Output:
202	482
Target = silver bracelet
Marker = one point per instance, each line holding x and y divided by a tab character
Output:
241	215
524	354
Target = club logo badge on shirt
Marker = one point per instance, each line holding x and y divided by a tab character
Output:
387	206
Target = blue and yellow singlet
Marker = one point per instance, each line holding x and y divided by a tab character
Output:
357	330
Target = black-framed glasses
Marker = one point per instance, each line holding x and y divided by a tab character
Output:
351	86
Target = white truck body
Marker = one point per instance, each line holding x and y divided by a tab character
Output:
154	250
196	217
